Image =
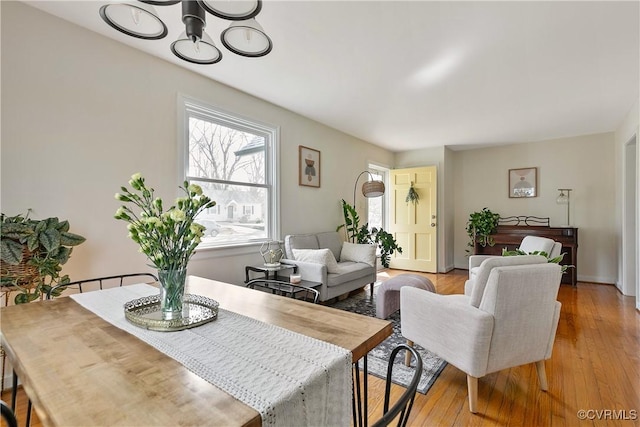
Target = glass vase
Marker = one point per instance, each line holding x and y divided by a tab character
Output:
172	282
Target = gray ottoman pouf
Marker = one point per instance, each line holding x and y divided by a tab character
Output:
388	296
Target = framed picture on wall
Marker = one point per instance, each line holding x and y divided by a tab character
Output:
308	167
523	182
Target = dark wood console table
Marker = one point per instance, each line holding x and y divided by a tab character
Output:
510	236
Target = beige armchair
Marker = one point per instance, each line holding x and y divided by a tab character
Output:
528	245
511	321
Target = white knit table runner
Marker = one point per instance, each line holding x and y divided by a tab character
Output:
289	378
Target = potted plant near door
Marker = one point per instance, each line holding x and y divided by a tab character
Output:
362	234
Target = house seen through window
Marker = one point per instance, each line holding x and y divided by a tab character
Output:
232	160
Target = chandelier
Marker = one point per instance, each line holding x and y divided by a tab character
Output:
243	37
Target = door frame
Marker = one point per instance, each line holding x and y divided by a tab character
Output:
630	280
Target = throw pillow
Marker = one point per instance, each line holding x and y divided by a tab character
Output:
358	253
317	256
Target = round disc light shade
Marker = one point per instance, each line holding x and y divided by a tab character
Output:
246	38
134	19
236	10
373	189
161	2
202	52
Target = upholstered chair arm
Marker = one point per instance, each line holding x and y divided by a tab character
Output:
448	326
476	260
310	270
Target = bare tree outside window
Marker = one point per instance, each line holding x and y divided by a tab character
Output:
216	152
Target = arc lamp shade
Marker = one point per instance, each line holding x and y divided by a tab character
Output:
373	189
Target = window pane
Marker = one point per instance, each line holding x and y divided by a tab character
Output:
240	213
220	152
375	212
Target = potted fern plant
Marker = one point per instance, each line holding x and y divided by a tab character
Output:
32	255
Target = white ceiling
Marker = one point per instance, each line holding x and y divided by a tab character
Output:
409	75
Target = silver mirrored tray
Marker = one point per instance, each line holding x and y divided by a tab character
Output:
196	310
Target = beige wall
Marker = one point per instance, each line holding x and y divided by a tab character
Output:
585	164
81	113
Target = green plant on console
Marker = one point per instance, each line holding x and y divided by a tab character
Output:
362	234
555	260
32	253
480	226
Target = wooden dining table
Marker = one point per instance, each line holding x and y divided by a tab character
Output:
78	369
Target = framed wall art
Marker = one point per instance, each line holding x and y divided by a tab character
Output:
308	167
523	182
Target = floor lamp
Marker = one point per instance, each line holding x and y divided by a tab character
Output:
372	188
564	199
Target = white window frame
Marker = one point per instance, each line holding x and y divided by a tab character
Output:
191	107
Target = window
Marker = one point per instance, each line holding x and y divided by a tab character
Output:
376	212
234	160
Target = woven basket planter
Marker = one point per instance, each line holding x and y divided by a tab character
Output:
26	274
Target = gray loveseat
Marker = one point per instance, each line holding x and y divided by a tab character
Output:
348	267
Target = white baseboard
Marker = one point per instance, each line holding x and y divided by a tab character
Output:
597	279
449	268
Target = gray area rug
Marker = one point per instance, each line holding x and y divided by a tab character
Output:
378	358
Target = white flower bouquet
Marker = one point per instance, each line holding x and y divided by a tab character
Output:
168	238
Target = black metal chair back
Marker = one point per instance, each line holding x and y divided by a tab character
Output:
100	281
7	415
402	407
287	289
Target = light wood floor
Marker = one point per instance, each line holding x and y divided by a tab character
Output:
595	367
